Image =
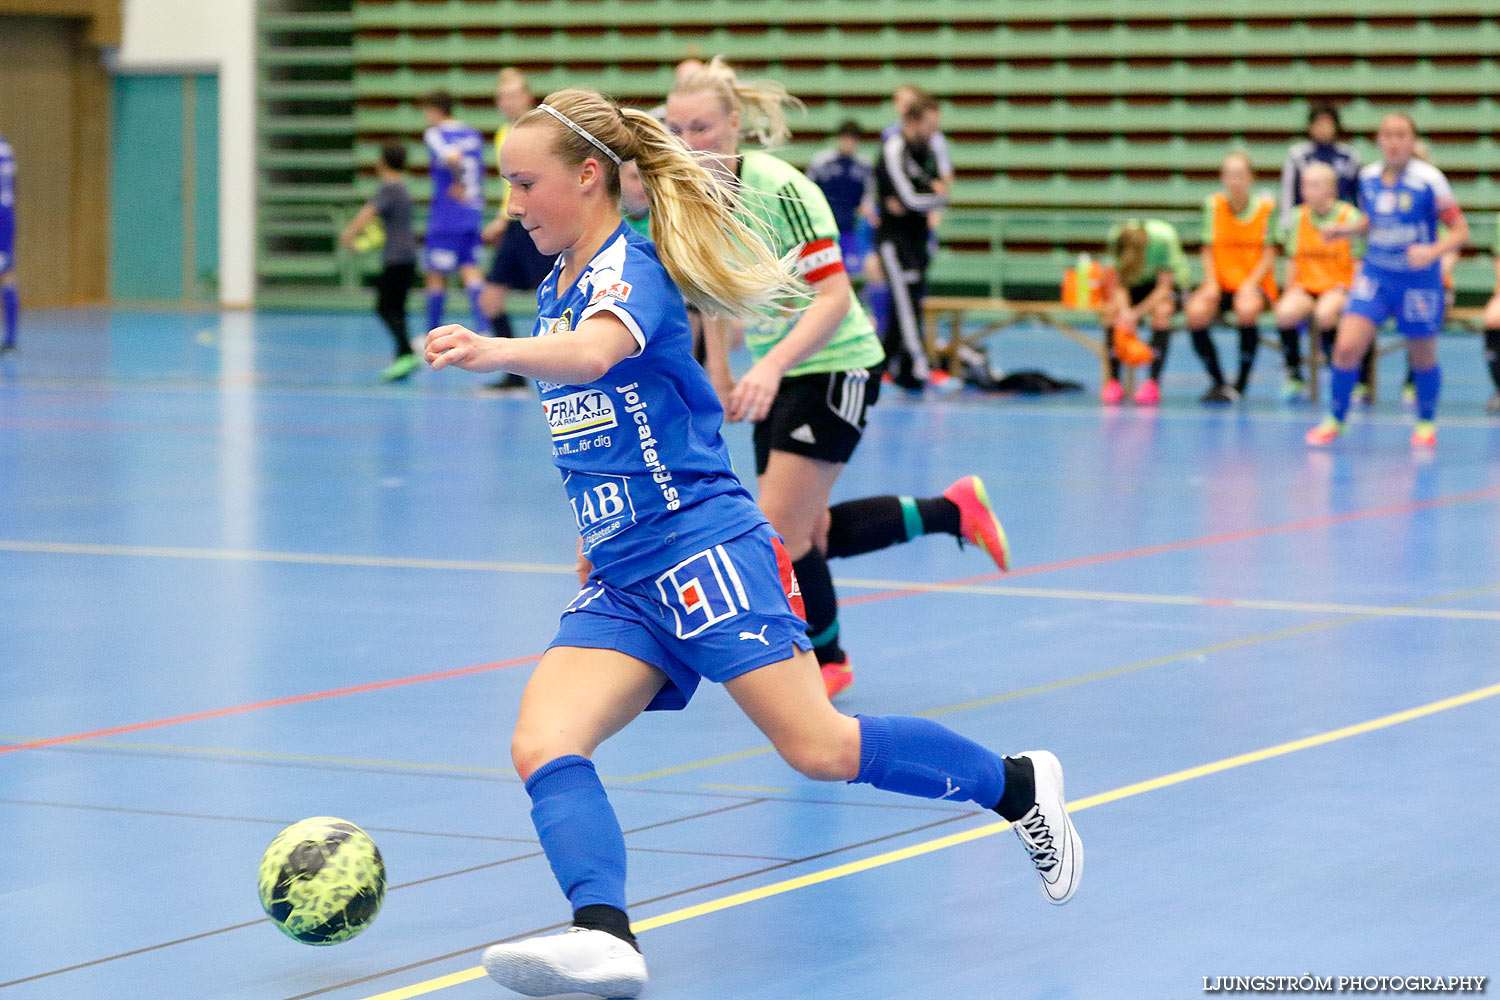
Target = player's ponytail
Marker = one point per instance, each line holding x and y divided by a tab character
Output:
718	262
762	104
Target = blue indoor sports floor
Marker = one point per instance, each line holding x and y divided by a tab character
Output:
242	582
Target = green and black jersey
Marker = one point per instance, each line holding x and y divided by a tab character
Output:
792	214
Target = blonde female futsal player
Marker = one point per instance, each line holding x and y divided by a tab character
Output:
688	579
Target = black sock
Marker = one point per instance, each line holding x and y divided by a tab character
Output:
1020	788
874	523
1249	346
1492	354
1291	350
1111	361
1327	338
500	325
1367	366
1203	346
821	605
1160	341
602	917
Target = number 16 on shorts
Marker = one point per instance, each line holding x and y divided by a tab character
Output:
701	591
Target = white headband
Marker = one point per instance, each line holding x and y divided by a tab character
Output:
579	129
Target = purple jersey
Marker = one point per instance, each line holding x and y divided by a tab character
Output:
457	188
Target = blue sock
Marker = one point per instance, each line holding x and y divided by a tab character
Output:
579	832
481	321
1429	385
12	313
435	309
879	298
901	753
1341	382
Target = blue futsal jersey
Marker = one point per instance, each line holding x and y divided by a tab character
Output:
7	206
462	210
646	470
1402	214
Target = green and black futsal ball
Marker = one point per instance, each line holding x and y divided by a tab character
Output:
322	880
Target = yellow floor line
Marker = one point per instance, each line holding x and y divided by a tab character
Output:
989	829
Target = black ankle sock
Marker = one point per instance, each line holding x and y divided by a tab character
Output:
1020	789
821	604
500	325
1291	350
1492	354
1203	346
1160	341
874	523
1249	347
609	919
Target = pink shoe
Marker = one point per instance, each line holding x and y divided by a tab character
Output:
837	676
1325	433
1148	393
1112	393
977	520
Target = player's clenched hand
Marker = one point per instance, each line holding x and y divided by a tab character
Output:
1421	255
459	347
752	396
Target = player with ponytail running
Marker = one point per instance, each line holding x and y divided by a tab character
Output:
687	579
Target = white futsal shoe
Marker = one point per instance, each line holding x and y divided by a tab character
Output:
1047	832
578	960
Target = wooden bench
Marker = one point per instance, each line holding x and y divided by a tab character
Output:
938	310
951	309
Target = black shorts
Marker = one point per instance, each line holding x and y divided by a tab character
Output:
1139	292
819	416
517	262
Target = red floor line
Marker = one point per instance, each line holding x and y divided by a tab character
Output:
1148	550
296	699
1189	543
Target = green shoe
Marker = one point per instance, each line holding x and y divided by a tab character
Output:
400	368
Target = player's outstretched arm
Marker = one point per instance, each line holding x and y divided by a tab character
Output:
572	357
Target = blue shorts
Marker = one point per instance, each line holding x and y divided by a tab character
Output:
721	613
1416	301
444	253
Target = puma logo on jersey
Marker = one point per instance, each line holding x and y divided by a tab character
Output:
759	636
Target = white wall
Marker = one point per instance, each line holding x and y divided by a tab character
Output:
217	36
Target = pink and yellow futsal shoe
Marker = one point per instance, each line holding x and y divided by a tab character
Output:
1325	433
1112	393
977	520
1424	435
1148	393
837	676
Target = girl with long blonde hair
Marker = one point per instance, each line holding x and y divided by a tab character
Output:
683	579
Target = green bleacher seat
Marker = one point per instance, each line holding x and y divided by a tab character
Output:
1060	119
